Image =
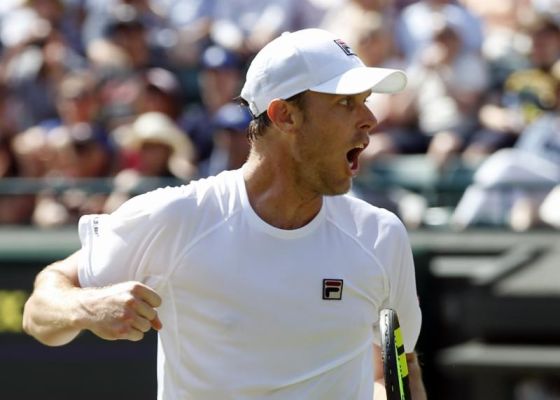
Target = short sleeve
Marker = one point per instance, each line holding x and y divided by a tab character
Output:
402	294
136	242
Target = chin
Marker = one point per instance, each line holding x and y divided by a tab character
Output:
340	189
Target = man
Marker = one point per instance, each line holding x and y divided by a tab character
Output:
231	147
268	280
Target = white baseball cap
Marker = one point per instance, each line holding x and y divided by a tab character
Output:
316	60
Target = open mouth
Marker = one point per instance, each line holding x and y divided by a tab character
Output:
353	157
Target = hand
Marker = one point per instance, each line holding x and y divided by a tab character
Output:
122	311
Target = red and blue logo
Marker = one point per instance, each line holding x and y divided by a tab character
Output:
345	48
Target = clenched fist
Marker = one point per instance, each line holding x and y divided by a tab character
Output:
122	311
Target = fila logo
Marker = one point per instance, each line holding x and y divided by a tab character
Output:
332	289
345	48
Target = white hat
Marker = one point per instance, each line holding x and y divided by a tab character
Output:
312	59
158	127
155	127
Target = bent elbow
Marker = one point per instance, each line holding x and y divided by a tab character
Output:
46	335
27	323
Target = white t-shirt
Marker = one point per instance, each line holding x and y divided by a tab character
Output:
251	311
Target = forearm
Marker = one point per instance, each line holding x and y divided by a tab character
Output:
417	390
59	308
53	312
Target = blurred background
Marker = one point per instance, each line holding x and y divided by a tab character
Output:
101	100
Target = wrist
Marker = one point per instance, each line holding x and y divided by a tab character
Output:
80	317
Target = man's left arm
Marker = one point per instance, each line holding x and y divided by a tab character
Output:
416	384
417	389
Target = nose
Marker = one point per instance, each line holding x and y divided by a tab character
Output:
367	120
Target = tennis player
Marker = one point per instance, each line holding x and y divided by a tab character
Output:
264	282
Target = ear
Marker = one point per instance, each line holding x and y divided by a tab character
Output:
285	116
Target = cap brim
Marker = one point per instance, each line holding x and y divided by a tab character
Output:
358	80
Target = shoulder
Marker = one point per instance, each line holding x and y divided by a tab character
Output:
170	205
363	220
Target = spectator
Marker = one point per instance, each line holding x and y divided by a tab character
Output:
37	60
64	18
156	131
505	42
184	58
33	153
350	18
8	114
77	99
79	152
245	26
161	150
451	83
99	15
194	15
415	26
511	184
33	157
521	98
14	208
219	82
78	126
161	92
130	32
79	148
231	146
85	151
436	114
8	167
375	42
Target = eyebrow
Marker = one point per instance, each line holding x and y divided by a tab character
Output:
365	95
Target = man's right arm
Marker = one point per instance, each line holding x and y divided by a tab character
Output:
59	309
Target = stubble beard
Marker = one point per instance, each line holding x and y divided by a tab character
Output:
321	179
323	182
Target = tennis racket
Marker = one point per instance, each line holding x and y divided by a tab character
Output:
395	367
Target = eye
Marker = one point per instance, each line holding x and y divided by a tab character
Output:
345	101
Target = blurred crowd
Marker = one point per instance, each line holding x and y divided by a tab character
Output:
141	92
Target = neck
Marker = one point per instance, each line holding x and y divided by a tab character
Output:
275	195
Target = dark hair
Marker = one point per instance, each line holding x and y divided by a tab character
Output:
259	124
